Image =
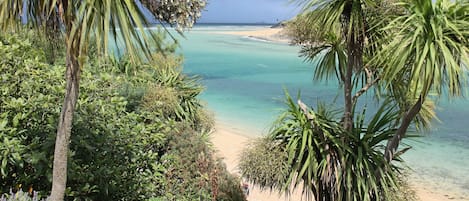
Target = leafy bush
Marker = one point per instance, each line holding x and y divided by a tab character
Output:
30	93
266	163
160	87
114	153
117	151
194	173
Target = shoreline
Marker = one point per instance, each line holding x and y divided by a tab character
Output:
229	141
275	35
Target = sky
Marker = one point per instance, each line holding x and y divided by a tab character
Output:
248	11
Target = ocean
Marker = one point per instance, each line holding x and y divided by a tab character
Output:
245	81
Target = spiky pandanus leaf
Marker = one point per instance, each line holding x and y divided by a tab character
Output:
325	160
426	54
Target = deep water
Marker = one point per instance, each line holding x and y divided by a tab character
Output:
245	81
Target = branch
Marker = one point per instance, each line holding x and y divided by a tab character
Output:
311	118
393	143
368	85
305	111
390	151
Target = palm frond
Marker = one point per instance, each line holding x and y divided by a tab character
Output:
429	47
328	162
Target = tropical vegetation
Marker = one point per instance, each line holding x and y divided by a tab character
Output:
407	53
139	131
93	22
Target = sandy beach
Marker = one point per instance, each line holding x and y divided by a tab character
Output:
269	34
230	141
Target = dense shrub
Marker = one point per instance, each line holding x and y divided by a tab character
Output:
29	107
117	151
194	173
265	162
114	153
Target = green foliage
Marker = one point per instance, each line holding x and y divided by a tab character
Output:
186	107
311	148
117	152
265	163
29	93
180	13
407	51
160	87
114	152
325	47
194	173
428	47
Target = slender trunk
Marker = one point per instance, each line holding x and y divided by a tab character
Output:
59	176
354	41
53	36
348	119
394	142
345	21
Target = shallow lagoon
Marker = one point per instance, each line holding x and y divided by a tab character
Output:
245	79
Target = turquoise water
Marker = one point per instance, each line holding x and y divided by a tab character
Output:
245	78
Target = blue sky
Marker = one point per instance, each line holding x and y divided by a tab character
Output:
248	11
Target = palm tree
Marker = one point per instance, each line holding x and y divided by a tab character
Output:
350	16
95	21
428	52
420	47
344	31
308	148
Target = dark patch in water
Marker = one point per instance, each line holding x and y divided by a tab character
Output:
206	76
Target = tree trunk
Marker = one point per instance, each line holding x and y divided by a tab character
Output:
394	142
53	36
348	119
59	176
354	41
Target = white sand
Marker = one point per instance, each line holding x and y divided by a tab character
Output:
230	141
268	34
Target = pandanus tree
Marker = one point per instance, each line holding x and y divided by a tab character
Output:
410	48
348	17
427	54
405	51
94	21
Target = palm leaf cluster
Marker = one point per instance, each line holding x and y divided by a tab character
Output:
409	52
431	41
425	57
317	154
182	91
99	22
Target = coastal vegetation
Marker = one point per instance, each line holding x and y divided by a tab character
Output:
139	131
131	126
406	54
93	22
